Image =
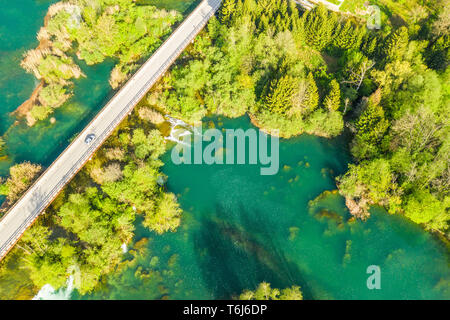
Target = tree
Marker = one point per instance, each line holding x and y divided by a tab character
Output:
279	99
105	29
227	11
437	56
21	177
442	24
333	100
299	99
371	182
325	124
357	67
51	267
313	94
293	293
112	173
396	44
371	127
349	36
2	147
36	240
265	292
46	260
424	208
53	95
369	45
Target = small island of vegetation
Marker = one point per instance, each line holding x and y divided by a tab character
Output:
265	292
91	31
292	72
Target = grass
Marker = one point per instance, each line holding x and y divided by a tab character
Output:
390	8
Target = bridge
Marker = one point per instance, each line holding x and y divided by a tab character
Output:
309	4
39	196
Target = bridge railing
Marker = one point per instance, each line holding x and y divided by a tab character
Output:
48	198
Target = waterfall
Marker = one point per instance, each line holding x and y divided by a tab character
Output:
178	129
124	248
47	292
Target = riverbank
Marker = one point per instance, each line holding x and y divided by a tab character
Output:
68	26
228	211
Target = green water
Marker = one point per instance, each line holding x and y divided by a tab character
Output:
240	228
19	23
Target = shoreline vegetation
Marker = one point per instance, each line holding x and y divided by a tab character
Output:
269	60
265	292
21	176
91	32
275	66
83	232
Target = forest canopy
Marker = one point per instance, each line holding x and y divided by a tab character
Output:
91	31
292	72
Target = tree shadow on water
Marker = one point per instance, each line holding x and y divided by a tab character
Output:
236	252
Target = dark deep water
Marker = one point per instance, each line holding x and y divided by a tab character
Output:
240	228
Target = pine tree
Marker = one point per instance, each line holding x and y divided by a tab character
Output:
345	37
228	9
313	95
369	46
249	7
333	99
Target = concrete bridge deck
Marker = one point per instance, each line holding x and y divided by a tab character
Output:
39	196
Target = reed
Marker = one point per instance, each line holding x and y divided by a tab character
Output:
32	60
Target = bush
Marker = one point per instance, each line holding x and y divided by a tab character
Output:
21	177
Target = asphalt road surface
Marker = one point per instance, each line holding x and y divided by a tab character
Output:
22	215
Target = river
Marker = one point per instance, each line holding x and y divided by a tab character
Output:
238	228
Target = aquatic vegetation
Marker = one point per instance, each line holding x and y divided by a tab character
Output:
293	232
265	292
2	148
347	255
97	30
